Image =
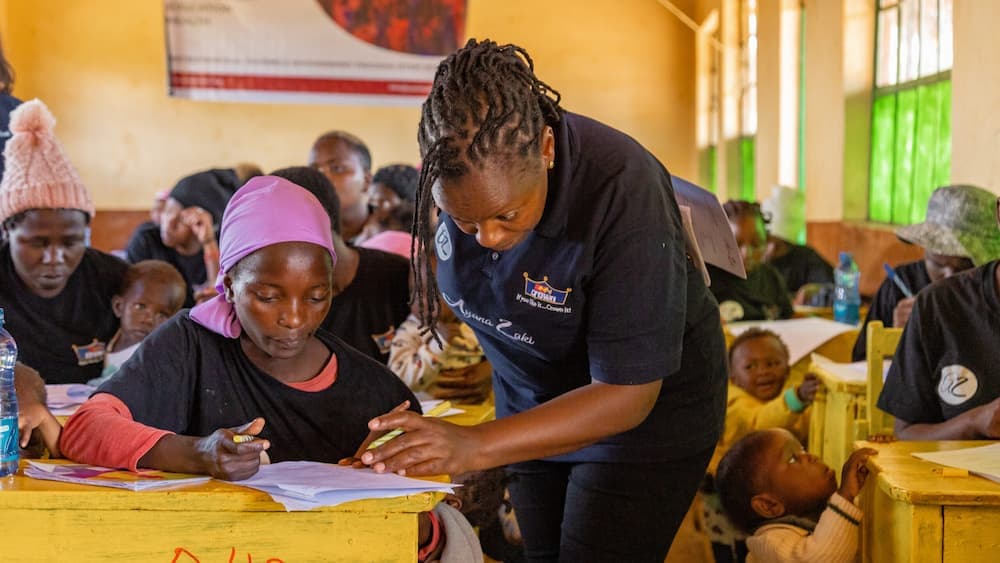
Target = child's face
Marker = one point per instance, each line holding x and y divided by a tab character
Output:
147	304
798	480
760	367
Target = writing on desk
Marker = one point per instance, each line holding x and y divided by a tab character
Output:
180	552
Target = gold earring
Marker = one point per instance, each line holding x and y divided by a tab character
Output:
552	164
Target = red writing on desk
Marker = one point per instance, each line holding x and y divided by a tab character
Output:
183	555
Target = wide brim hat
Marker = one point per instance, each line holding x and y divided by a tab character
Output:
961	221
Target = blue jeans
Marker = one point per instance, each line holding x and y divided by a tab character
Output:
573	512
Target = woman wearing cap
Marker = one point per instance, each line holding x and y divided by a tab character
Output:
944	383
958	234
185	236
56	293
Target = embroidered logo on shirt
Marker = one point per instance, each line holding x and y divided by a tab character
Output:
384	340
442	241
92	353
958	384
544	292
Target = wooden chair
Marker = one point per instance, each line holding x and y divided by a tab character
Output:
882	343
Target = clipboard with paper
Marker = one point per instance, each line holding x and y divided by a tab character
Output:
707	233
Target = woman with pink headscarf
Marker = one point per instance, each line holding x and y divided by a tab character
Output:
252	360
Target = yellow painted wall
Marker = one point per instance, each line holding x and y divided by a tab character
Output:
100	65
975	83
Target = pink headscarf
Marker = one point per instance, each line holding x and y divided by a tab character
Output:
267	210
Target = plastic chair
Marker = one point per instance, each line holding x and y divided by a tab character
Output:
882	343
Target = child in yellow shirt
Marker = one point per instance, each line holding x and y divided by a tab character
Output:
758	399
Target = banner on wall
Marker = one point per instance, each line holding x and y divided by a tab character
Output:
313	51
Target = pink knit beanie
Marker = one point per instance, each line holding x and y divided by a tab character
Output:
38	175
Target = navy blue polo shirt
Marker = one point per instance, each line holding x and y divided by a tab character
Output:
601	290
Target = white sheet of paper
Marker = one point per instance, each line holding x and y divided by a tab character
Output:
302	485
802	336
983	461
712	232
67	394
854	371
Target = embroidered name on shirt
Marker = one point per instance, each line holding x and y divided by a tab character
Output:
92	353
542	295
503	326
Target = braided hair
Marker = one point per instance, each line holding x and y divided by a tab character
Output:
485	103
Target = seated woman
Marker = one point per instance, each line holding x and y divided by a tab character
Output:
799	264
185	236
252	360
944	383
957	234
762	296
56	293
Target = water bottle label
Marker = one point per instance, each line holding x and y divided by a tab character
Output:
9	438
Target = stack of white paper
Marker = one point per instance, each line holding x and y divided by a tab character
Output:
84	474
983	461
64	399
304	485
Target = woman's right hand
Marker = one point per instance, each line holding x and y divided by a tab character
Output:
223	458
901	313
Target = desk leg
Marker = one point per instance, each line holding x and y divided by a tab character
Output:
897	531
817	424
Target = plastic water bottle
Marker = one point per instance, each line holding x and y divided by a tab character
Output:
9	442
846	297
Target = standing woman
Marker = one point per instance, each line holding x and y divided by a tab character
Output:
560	244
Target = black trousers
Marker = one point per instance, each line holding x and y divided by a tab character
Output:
581	512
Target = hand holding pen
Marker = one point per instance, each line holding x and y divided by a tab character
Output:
901	312
233	454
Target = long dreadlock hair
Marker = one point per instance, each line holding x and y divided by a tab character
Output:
485	103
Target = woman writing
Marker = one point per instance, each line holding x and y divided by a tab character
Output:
560	244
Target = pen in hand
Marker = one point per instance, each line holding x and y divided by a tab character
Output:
895	279
438	410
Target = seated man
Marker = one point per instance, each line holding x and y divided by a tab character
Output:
944	383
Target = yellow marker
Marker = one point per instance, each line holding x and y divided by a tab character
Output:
437	411
954	472
243	438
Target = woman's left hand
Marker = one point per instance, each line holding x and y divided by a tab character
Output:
429	446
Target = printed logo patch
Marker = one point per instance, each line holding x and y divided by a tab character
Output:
958	384
384	340
442	242
92	353
544	292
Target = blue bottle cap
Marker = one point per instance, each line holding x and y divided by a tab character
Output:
845	258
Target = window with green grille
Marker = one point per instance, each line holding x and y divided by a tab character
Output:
911	108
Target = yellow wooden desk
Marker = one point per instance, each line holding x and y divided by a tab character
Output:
839	403
208	523
913	514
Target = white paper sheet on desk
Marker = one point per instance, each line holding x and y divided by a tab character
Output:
429	404
983	461
64	399
854	371
303	485
802	336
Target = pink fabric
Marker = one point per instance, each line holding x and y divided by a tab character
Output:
38	175
267	210
395	242
103	432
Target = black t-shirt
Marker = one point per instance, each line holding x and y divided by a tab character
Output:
367	312
600	290
192	381
914	275
802	265
762	296
63	337
948	361
146	244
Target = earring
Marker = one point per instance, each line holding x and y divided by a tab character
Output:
552	164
